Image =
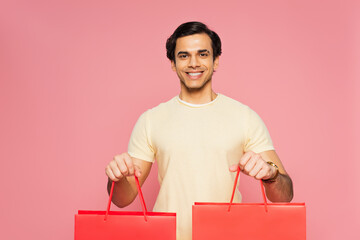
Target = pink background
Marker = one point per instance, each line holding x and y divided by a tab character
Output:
76	75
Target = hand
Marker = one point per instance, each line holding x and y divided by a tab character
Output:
121	166
253	165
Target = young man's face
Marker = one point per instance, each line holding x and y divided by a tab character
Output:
194	62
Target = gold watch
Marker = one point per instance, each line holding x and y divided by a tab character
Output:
276	174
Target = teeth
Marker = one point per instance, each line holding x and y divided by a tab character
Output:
194	74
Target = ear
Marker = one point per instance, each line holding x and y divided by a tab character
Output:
173	65
216	62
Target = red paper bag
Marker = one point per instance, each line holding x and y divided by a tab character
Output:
249	221
110	225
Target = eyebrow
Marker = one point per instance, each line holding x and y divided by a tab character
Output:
199	51
204	50
182	52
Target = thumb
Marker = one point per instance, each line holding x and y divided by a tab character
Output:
233	168
137	171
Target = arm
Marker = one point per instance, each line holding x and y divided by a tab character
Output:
280	188
121	170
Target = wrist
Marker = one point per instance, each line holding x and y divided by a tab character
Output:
275	176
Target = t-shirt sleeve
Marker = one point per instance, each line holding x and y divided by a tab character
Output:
140	143
258	137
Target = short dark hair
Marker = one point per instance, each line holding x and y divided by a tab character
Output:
190	28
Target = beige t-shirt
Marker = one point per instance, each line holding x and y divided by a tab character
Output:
194	146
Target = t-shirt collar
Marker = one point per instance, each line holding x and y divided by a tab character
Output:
197	105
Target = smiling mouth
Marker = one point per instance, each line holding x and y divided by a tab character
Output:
194	75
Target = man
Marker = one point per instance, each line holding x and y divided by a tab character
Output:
199	138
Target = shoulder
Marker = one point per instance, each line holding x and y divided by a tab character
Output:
234	104
160	110
164	106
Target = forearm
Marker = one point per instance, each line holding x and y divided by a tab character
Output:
281	190
124	193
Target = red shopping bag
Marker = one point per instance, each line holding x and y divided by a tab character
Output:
106	225
249	221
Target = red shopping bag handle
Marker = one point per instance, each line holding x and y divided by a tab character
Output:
143	205
234	188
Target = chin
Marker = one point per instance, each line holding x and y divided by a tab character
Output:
193	86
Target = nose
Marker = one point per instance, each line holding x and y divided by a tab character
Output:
194	62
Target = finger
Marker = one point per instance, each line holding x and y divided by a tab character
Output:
110	174
257	168
251	163
129	164
115	169
233	168
120	162
261	174
244	159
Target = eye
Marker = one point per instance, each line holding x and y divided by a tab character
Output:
182	56
204	54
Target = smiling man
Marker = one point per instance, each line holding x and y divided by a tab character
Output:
198	138
194	63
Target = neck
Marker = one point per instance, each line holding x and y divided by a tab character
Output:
197	96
